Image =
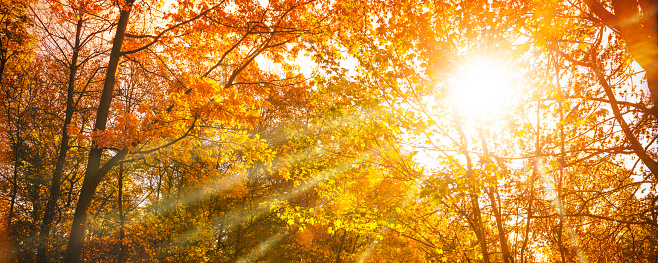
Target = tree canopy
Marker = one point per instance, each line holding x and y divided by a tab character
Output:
329	131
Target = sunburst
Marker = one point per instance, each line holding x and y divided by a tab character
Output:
484	87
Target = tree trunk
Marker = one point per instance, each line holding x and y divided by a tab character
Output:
635	21
507	258
560	206
94	172
491	192
55	187
16	145
3	63
478	226
122	248
14	187
535	171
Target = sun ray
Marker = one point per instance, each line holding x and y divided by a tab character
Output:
372	244
261	249
241	215
559	207
225	183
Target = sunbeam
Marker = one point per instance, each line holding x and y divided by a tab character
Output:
262	206
261	249
372	244
557	204
225	183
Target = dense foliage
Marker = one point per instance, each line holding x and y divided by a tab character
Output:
328	131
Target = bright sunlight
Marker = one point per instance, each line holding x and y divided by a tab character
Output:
483	88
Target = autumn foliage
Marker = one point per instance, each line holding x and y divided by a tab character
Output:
328	131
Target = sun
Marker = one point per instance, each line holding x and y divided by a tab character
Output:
483	88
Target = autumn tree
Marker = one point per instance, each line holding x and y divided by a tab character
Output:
431	131
194	103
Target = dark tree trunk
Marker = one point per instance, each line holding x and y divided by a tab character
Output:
507	258
476	224
635	21
94	172
122	248
3	62
12	202
55	187
491	192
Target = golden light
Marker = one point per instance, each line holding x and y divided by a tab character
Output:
483	88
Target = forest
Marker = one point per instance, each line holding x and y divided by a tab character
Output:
328	131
